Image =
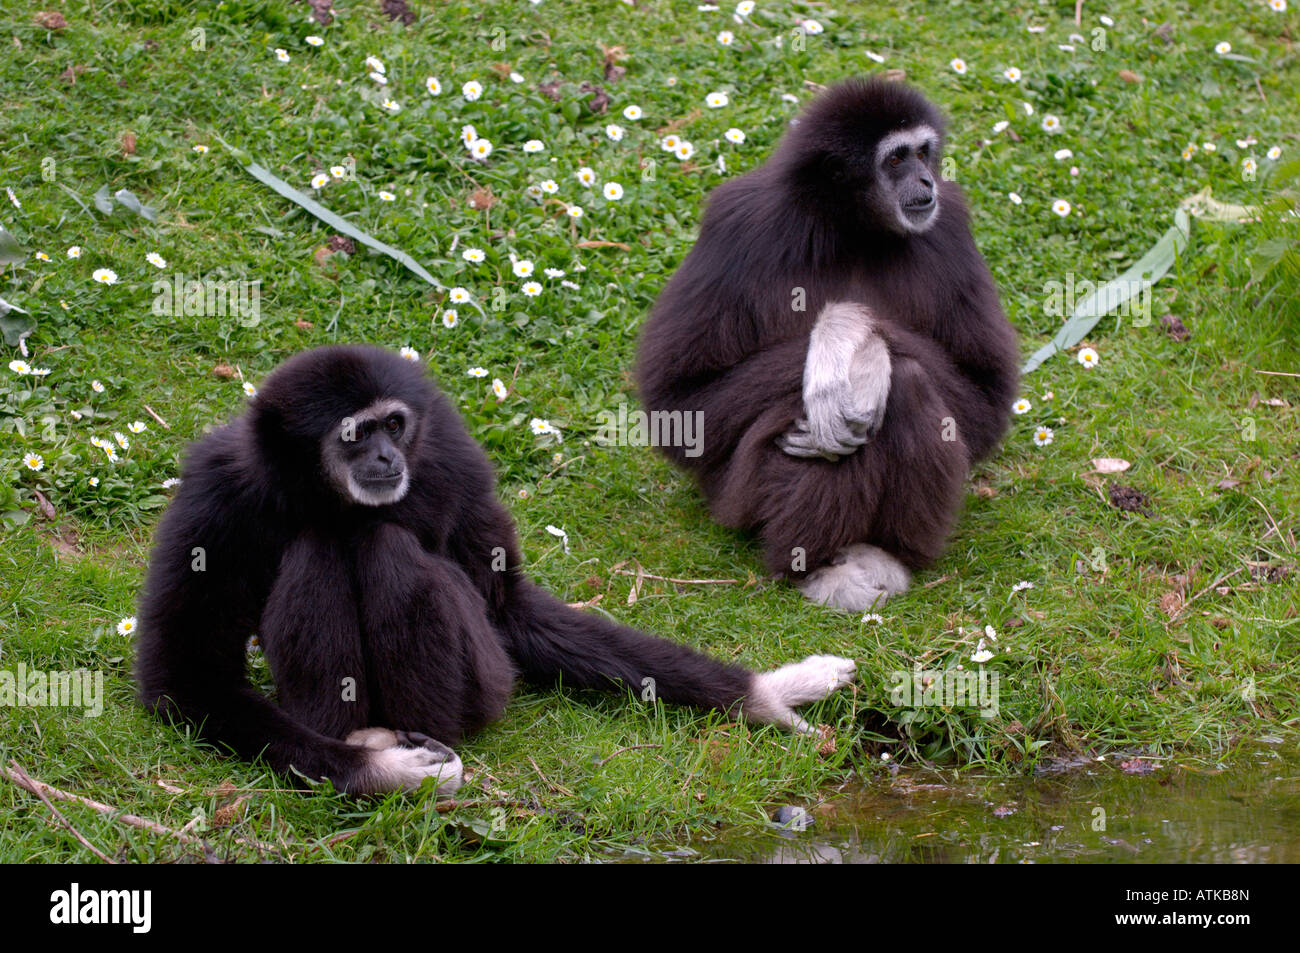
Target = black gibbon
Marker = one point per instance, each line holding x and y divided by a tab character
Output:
350	521
842	338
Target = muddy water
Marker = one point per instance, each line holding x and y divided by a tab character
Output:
1120	810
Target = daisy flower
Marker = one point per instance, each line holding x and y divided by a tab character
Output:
535	191
337	171
522	268
40	371
1209	147
499	388
726	38
93	481
20	367
282	55
981	654
1051	123
1277	6
170	482
315	40
1062	154
745	8
249	390
1247	142
97	387
13	198
392	106
319	181
450	318
573	285
472	90
126	626
716	100
1042	435
1061	207
122	440
669	143
375	64
105	276
632	113
379	78
480	148
958	65
136	426
614	132
811	27
1223	49
41	256
1189	151
685	150
1012	73
200	148
1022	406
516	77
410	353
554	273
477	372
473	254
33	461
613	191
111	453
1088	358
575	211
386	196
540	426
468	134
550	186
586	175
1014	198
532	289
74	251
1274	153
534	145
1021	586
874	617
1249	166
459	295
433	86
155	259
734	135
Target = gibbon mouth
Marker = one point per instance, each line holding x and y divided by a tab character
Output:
917	206
382	482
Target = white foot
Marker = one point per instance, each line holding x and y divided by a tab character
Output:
773	695
402	760
861	576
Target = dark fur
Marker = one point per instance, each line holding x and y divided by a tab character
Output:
402	598
723	339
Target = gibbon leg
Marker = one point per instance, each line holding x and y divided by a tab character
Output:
311	639
435	663
848	531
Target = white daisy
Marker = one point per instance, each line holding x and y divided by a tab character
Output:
458	295
550	186
1042	435
632	113
386	196
33	461
1088	357
613	191
433	86
126	626
522	268
315	41
499	388
249	390
155	259
734	135
716	100
614	132
1012	73
472	90
1022	406
958	65
477	372
534	145
137	426
473	254
450	318
282	55
106	276
1061	207
480	148
410	353
532	289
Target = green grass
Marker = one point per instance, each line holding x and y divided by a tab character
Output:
1089	659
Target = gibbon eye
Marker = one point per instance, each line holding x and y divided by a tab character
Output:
895	161
393	424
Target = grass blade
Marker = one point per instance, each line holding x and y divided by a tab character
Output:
1142	275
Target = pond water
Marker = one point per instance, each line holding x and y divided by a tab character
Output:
1121	810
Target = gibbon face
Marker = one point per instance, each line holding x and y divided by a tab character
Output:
903	192
366	456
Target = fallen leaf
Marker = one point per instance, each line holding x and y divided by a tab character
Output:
128	143
1174	327
481	199
50	20
224	371
1128	76
1171	602
1110	465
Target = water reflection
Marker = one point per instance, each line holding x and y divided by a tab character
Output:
1179	812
